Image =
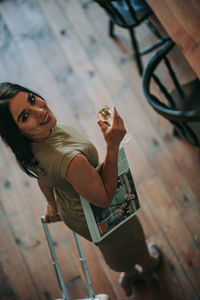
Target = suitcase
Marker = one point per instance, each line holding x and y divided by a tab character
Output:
59	274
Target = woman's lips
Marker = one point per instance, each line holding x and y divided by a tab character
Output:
46	119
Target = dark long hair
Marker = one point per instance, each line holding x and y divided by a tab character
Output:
9	131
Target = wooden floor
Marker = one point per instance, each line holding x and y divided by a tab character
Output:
61	49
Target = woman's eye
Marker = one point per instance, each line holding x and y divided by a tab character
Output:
24	117
32	99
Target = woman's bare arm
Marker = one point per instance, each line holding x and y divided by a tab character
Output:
99	189
51	214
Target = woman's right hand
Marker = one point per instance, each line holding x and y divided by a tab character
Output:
115	133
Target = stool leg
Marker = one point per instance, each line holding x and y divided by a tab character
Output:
84	265
55	261
136	51
59	272
111	29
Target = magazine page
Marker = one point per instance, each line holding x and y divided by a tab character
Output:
125	204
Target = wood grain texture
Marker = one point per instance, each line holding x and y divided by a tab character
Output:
181	19
61	49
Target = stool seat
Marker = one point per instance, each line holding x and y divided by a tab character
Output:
130	14
181	106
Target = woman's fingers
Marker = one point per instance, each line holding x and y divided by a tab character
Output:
116	116
113	134
103	125
117	120
52	218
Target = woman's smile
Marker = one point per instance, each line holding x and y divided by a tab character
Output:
46	120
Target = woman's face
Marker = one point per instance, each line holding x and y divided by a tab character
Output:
32	116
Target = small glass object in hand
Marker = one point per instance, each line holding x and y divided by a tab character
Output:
105	114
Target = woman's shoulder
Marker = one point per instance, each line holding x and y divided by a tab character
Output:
65	130
61	141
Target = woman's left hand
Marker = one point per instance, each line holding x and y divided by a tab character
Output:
51	214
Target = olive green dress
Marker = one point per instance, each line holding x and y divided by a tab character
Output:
124	247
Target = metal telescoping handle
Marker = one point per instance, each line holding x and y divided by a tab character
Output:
85	268
55	261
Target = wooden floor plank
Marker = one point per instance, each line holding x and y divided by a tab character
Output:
62	50
126	102
174	229
123	60
13	264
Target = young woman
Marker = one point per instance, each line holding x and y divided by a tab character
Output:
64	164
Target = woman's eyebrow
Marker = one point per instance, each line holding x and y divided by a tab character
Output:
21	113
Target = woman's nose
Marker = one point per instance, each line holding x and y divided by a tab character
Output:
38	111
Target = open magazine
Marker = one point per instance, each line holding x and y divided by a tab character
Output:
102	221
